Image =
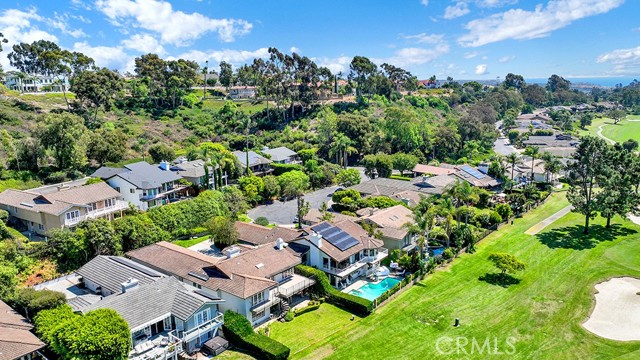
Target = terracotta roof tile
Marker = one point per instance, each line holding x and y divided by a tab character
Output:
258	235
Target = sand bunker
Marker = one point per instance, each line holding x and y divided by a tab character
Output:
616	315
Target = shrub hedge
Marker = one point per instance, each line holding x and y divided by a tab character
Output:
279	169
355	304
307	309
238	330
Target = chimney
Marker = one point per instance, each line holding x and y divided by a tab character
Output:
316	239
129	285
280	244
233	251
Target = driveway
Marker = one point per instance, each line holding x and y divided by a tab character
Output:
280	212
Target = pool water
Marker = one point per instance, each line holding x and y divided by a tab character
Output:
373	291
436	251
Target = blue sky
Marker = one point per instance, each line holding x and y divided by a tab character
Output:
465	39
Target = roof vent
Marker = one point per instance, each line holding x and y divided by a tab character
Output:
280	244
260	266
26	204
129	285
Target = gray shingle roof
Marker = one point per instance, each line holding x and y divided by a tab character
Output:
111	271
254	158
388	187
141	174
149	302
280	153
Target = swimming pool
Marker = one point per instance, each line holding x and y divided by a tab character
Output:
372	291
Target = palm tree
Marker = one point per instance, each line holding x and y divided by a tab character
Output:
464	194
532	151
422	226
342	147
552	166
513	159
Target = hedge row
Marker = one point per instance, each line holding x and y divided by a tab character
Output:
238	330
279	169
307	309
323	287
179	218
397	287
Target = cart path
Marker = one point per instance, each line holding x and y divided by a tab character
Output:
604	137
548	221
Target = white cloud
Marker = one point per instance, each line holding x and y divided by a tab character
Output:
61	22
294	49
505	59
495	3
424	2
80	4
481	69
17	26
106	56
174	26
522	25
336	65
407	57
236	57
455	11
424	38
625	61
471	55
144	43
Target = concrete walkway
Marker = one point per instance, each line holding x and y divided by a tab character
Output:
634	218
548	221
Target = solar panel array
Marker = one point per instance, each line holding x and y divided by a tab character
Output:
335	236
206	295
473	172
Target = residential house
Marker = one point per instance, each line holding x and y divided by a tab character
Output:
430	170
195	172
282	155
254	234
392	224
258	164
522	172
242	92
315	216
61	207
475	177
253	281
33	83
143	184
17	342
165	318
343	250
424	186
104	275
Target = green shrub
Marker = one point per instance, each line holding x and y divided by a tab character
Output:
482	219
495	218
179	218
237	329
307	309
29	302
279	169
263	221
448	254
504	210
355	304
289	316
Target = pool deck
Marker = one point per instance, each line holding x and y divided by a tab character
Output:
358	284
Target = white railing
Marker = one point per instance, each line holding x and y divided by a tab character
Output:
93	214
203	328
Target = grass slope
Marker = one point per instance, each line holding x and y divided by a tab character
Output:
543	312
620	132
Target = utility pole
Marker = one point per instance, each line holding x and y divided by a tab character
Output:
206	70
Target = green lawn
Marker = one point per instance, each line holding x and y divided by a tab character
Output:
190	242
620	132
543	313
233	355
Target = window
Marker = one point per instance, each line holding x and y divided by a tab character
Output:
93	206
40	227
258	315
325	262
133	191
167	323
287	273
257	298
202	317
73	215
109	202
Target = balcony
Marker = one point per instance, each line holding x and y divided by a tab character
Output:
167	191
342	271
293	285
162	346
97	213
191	334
